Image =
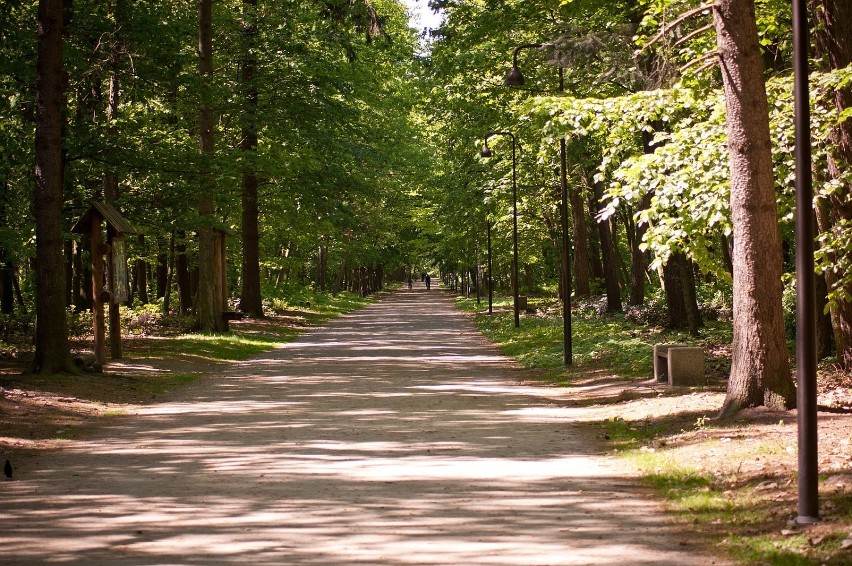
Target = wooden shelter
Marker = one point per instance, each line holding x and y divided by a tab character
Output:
109	286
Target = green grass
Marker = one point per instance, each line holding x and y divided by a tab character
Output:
610	342
249	340
217	347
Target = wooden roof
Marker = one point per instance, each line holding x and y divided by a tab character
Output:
109	213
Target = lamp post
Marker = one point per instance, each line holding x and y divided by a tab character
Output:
806	358
486	152
490	281
515	78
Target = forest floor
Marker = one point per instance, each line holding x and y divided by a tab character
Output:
400	436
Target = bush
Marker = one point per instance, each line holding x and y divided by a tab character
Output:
79	322
149	319
17	327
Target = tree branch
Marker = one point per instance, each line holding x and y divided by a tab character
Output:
695	33
700	10
704	57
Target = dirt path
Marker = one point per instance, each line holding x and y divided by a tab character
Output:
392	436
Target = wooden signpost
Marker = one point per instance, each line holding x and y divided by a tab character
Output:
109	286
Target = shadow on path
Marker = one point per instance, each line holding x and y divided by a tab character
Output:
394	436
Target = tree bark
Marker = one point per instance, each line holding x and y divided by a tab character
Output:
681	299
184	285
834	44
52	353
251	300
7	294
209	319
170	270
162	266
141	278
581	243
610	261
111	195
760	371
639	258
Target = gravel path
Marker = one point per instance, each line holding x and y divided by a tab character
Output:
393	436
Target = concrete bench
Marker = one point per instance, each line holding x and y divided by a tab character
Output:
679	365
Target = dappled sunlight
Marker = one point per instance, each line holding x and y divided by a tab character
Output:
341	448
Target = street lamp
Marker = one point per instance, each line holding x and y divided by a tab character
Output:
514	79
486	153
806	356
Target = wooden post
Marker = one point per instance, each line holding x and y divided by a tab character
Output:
114	318
97	287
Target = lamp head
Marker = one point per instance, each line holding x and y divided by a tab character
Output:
515	77
486	151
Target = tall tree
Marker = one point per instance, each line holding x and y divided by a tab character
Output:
52	352
760	371
209	316
250	298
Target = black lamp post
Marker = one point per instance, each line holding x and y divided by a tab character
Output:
486	152
515	78
490	281
806	358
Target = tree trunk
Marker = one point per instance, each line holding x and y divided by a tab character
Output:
581	243
82	278
162	267
141	279
170	271
52	353
322	266
18	295
639	258
251	300
681	299
7	293
111	195
184	284
7	296
610	261
825	331
209	319
596	268
760	371
834	43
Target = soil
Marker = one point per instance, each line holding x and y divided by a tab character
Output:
392	436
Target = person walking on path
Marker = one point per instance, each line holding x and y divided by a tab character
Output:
428	282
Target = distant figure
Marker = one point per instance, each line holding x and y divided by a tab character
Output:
423	277
410	283
7	469
428	282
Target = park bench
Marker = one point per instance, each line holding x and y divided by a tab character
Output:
678	364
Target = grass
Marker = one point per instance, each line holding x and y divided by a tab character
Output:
248	337
215	347
613	343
